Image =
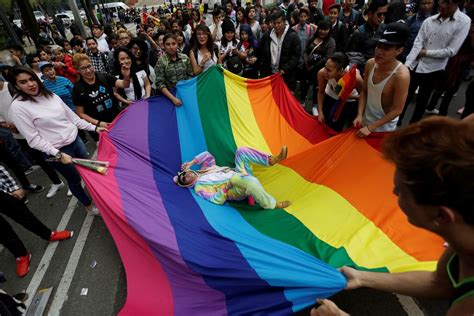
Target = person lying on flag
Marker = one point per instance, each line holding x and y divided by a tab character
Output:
219	184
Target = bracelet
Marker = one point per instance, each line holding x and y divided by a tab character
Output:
98	123
369	128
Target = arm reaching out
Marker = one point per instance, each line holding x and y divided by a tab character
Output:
205	159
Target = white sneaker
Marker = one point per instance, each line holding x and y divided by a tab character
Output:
93	211
315	111
54	189
434	111
32	169
69	193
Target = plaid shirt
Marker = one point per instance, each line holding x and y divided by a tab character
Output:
7	183
169	72
100	61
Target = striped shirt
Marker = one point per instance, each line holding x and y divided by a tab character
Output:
62	87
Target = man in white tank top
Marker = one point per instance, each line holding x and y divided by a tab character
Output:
386	83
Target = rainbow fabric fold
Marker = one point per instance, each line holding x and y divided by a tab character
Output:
186	256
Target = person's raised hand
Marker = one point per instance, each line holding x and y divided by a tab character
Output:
186	165
327	308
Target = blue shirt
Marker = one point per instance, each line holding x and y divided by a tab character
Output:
62	87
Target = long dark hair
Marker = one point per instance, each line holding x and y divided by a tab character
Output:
144	49
210	42
15	72
323	25
247	29
133	70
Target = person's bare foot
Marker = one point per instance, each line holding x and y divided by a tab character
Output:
283	204
281	156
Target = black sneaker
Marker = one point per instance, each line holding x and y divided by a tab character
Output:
35	188
22	296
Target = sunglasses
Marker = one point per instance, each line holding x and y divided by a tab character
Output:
182	178
381	14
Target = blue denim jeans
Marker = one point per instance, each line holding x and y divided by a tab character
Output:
76	149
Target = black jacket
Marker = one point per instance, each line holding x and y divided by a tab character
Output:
289	56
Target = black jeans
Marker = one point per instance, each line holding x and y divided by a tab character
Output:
347	116
469	107
18	211
18	170
426	83
445	100
38	156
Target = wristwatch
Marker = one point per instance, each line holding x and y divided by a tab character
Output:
58	155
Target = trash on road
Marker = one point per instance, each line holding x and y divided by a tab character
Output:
84	291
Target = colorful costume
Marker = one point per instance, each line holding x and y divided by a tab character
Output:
219	184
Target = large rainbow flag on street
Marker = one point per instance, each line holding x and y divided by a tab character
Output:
186	256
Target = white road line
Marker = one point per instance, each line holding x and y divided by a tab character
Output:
61	293
48	254
409	305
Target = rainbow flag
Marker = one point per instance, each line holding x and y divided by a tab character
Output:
154	20
186	256
344	88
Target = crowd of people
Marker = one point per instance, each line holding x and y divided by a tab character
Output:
51	100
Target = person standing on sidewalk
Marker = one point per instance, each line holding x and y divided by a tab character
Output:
440	37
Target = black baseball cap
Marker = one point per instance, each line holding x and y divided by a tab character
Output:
395	34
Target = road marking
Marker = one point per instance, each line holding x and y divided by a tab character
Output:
65	283
409	305
48	254
61	293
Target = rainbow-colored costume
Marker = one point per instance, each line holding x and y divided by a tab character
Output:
219	184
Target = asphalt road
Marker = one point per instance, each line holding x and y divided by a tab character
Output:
90	264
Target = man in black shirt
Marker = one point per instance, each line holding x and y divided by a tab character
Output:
364	38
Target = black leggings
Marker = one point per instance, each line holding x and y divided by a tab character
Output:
469	107
347	116
18	211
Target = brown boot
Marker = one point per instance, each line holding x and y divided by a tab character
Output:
282	204
281	156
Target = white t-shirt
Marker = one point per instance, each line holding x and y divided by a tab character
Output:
230	46
130	91
209	63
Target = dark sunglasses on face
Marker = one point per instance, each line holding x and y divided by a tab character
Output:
182	177
381	14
